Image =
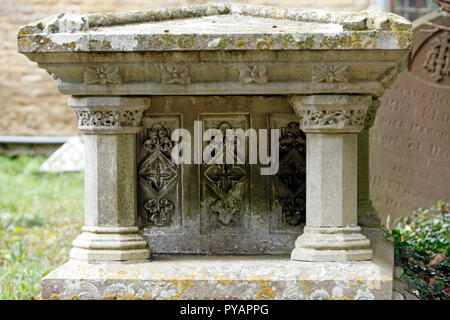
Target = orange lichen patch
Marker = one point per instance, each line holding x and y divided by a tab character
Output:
54	296
129	297
265	43
223	282
180	285
74	297
240	44
146	296
370	43
266	294
304	287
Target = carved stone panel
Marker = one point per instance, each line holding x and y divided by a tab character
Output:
225	188
159	179
287	200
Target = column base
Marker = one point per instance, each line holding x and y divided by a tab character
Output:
110	244
368	214
332	244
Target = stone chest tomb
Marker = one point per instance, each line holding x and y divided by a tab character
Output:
133	78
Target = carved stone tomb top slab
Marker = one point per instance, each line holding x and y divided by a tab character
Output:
243	50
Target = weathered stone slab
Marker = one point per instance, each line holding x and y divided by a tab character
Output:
206	50
410	149
69	157
227	277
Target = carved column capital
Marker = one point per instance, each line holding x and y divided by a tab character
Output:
109	115
331	113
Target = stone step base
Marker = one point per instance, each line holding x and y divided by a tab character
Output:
226	277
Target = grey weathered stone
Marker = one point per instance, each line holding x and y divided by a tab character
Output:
227	66
331	123
110	232
227	277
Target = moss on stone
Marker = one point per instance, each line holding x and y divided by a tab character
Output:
350	41
224	43
186	41
308	43
166	40
265	42
70	45
405	40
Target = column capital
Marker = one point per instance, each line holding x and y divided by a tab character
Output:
110	114
331	113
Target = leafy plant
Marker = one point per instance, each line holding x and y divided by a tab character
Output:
422	248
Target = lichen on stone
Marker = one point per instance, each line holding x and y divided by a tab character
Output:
351	30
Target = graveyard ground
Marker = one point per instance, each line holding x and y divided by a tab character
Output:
40	215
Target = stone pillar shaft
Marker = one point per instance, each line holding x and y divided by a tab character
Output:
367	213
331	179
331	123
110	232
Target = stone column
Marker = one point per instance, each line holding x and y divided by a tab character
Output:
331	124
367	213
110	233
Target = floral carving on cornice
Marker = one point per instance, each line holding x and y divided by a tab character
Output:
330	73
108	119
103	74
253	74
331	119
174	73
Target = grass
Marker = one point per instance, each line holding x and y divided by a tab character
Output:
40	215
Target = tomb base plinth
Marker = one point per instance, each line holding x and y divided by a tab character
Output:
227	277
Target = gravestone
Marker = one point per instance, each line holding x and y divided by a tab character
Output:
410	140
134	78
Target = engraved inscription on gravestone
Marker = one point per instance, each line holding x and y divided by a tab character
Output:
410	144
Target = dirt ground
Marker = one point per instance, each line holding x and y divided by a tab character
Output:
30	102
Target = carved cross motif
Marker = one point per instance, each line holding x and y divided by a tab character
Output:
102	74
157	172
173	73
329	73
226	181
225	176
291	177
255	74
158	175
438	57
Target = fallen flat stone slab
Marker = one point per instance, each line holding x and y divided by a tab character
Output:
69	157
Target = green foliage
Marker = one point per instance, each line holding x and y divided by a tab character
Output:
422	247
40	215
